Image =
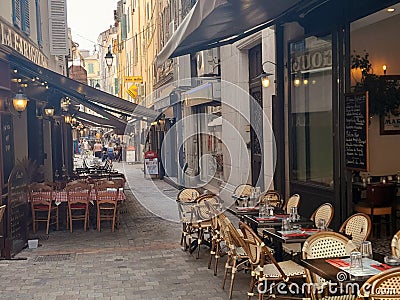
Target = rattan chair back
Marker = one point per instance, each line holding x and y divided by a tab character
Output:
382	286
293	201
325	211
396	244
243	190
187	195
357	227
273	197
2	210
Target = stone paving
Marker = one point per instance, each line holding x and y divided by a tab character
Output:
140	260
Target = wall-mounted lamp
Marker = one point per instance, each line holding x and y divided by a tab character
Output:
67	119
49	111
20	101
109	58
384	67
264	76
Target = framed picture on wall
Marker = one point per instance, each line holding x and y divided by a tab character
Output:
390	124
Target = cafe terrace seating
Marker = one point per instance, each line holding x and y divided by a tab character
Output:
357	227
382	286
326	244
396	244
185	200
379	203
264	266
274	199
107	202
325	212
78	203
293	201
42	205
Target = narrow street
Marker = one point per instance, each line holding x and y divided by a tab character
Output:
140	260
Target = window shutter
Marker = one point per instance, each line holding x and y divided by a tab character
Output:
25	18
123	27
38	23
16	7
58	27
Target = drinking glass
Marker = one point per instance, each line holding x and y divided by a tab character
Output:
194	194
355	260
321	224
293	214
262	212
285	224
366	249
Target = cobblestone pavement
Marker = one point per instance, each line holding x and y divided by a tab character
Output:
140	260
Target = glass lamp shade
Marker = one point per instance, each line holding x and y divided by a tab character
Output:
49	111
109	58
20	101
67	119
265	81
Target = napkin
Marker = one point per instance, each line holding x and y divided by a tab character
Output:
310	229
381	267
282	216
267	219
295	235
247	208
337	262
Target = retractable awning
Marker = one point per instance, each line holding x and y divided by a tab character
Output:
86	95
213	23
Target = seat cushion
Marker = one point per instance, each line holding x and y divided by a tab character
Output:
289	267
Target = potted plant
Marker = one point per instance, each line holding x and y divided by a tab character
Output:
384	94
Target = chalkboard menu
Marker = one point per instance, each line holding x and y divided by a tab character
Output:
7	146
356	131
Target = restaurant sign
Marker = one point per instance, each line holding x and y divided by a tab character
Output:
312	60
11	38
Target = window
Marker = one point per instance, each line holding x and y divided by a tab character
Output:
311	111
91	68
116	84
21	17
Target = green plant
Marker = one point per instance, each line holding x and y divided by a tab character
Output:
384	95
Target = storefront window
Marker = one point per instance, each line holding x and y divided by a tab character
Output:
311	137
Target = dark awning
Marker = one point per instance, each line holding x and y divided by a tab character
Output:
81	92
213	23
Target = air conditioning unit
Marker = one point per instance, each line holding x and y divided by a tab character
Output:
207	62
141	90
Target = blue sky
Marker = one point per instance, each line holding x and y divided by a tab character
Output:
88	18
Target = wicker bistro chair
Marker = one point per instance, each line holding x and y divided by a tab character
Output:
264	266
293	201
107	203
274	199
325	244
382	286
357	227
185	201
242	193
396	244
237	257
43	207
201	221
78	203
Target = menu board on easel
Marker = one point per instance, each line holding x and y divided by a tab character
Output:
356	131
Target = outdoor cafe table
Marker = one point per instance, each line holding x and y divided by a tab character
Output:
337	269
287	237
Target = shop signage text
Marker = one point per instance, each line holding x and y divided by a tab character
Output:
138	79
11	38
312	61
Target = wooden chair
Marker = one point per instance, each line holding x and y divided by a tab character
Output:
43	207
264	266
273	197
396	244
78	203
185	201
107	203
357	227
325	211
379	203
382	286
2	210
293	201
323	245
